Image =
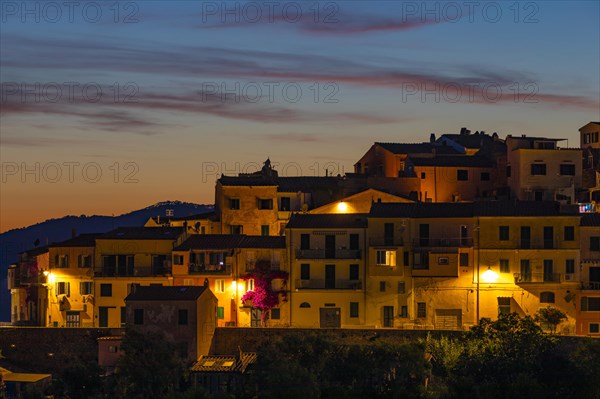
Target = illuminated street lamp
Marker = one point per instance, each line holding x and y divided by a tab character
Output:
342	207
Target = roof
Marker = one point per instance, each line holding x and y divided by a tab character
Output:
35	251
220	364
475	141
417	148
283	184
197	216
328	221
590	219
143	233
9	376
469	209
169	293
82	240
533	138
229	241
467	161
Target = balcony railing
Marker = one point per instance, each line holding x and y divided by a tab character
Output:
537	278
209	269
591	285
386	241
328	254
442	242
251	265
321	284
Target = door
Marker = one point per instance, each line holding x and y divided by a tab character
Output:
329	276
331	318
255	317
388	234
525	270
464	236
448	319
103	316
525	237
548	237
548	270
424	235
72	319
388	316
330	247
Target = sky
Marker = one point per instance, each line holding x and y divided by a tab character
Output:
108	107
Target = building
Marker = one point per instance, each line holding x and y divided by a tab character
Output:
588	315
359	203
227	264
185	315
15	385
129	256
222	374
538	169
589	135
327	269
71	284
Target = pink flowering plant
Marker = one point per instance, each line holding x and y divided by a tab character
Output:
263	296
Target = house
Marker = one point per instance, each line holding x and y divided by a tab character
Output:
14	385
327	269
109	352
186	315
219	374
589	135
588	311
359	202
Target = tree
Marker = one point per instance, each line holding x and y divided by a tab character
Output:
263	296
550	316
149	368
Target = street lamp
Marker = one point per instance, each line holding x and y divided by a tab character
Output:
477	229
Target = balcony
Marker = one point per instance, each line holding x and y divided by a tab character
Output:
328	254
251	265
386	241
209	269
464	242
523	278
590	285
322	284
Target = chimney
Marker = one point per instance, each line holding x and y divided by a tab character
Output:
432	138
463	131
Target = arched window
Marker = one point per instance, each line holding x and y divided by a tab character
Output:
305	305
547	297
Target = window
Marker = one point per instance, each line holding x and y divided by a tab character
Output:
406	256
138	316
220	285
594	328
386	258
504	266
84	261
388	234
503	306
464	259
123	316
354	242
382	286
178	259
547	297
401	287
423	175
538	169
61	261
508	171
63	288
353	272
105	289
304	241
353	309
569	233
594	243
462	175
305	271
220	312
567	169
420	260
404	311
182	317
236	229
485	176
284	204
590	304
570	266
503	233
421	310
264	230
234	203
86	287
265	203
250	284
275	314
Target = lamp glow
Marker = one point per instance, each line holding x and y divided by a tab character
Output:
233	285
50	276
342	207
489	276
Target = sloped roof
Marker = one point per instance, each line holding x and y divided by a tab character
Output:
82	240
290	184
327	221
417	148
467	161
143	233
469	209
221	363
230	241
168	293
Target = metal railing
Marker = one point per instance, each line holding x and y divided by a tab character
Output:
328	254
537	278
442	242
322	284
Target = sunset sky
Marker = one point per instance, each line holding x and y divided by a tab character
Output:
109	107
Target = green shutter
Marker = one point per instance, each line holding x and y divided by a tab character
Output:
220	313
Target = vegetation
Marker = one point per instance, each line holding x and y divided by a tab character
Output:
551	317
263	296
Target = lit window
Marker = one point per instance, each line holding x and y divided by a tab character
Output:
386	258
220	285
250	284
